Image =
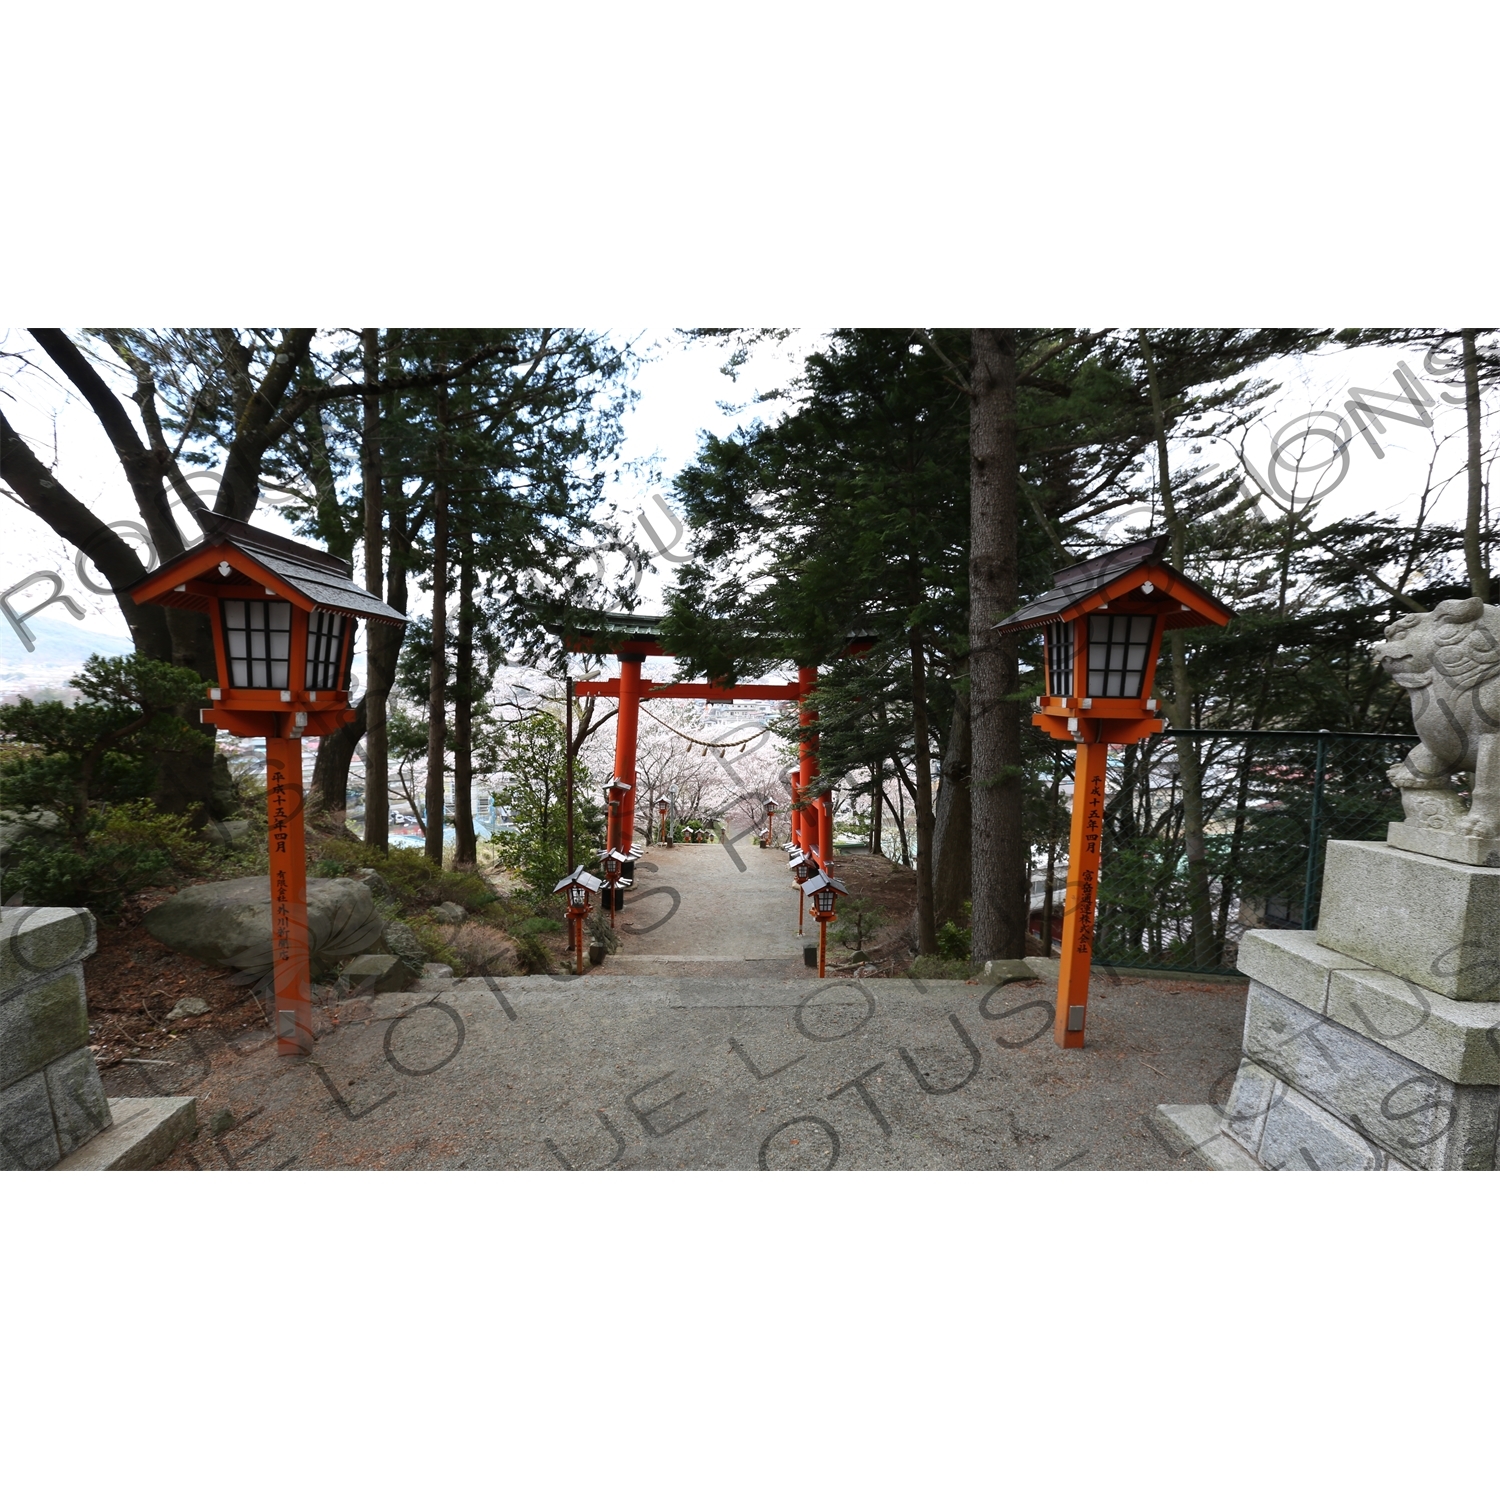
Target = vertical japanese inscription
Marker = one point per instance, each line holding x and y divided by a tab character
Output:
280	892
1093	833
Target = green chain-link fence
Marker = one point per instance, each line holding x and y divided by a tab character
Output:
1271	801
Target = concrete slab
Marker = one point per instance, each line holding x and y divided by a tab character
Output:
713	901
1442	844
144	1133
1301	1136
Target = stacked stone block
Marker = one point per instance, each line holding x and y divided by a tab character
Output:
51	1097
1374	1043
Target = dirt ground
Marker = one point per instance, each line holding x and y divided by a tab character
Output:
133	981
893	888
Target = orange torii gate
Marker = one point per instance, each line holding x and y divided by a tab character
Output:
631	639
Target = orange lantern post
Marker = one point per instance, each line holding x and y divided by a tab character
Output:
613	866
824	890
1104	621
578	887
282	616
771	807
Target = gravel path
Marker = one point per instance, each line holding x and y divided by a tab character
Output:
648	1073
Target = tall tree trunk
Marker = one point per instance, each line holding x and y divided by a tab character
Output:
382	642
952	835
995	786
330	778
1479	570
437	677
329	792
185	778
922	794
1049	886
877	800
337	537
239	486
1236	842
465	850
899	814
1179	707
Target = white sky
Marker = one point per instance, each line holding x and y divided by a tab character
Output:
680	391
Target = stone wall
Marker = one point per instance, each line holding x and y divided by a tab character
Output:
51	1098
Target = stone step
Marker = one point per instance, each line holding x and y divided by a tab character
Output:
629	960
1195	1128
143	1133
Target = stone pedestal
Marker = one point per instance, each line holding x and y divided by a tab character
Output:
1442	843
51	1099
1433	921
1374	1044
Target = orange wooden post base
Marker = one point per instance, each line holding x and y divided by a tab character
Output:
292	975
822	945
1084	841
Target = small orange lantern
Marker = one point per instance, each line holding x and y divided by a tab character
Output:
283	619
824	890
578	887
612	863
1104	621
803	867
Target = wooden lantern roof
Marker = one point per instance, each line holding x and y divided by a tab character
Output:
307	576
1117	578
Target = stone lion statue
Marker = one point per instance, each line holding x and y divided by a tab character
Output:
1449	661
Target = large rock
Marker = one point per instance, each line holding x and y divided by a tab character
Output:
228	922
218	831
399	939
15	826
374	883
378	974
